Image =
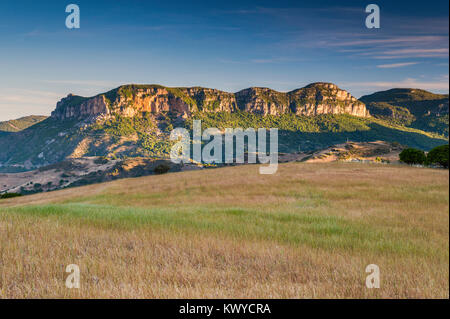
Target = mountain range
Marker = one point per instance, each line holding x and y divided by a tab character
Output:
135	121
129	100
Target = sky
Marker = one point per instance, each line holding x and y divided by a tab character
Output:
227	45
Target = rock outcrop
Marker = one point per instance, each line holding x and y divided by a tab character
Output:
263	101
325	98
129	100
211	100
77	107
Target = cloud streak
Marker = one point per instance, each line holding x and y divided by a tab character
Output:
412	53
409	40
395	65
441	85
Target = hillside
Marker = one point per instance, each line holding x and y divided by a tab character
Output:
136	120
20	123
411	107
74	172
309	231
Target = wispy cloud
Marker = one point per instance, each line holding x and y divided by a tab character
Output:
412	53
395	65
393	47
396	40
438	85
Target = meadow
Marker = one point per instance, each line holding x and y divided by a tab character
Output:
308	231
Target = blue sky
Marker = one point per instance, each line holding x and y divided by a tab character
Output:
228	45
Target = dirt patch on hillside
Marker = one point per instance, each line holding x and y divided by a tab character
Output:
81	171
378	151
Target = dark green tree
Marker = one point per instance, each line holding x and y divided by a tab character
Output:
439	155
9	195
162	168
412	156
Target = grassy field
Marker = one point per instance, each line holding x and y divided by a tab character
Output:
308	231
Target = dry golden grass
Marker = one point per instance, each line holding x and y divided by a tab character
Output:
308	231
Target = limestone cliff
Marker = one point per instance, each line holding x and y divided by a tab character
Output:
77	107
129	100
325	98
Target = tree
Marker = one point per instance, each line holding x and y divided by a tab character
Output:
162	168
412	156
9	195
439	155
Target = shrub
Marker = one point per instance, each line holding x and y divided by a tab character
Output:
412	156
439	155
10	195
162	168
101	160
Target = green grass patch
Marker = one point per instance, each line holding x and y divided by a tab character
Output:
294	228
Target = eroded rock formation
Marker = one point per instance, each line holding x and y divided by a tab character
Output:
129	100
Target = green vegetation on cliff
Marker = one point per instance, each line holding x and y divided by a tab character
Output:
144	129
305	133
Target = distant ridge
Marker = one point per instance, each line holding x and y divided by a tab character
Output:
411	107
20	123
